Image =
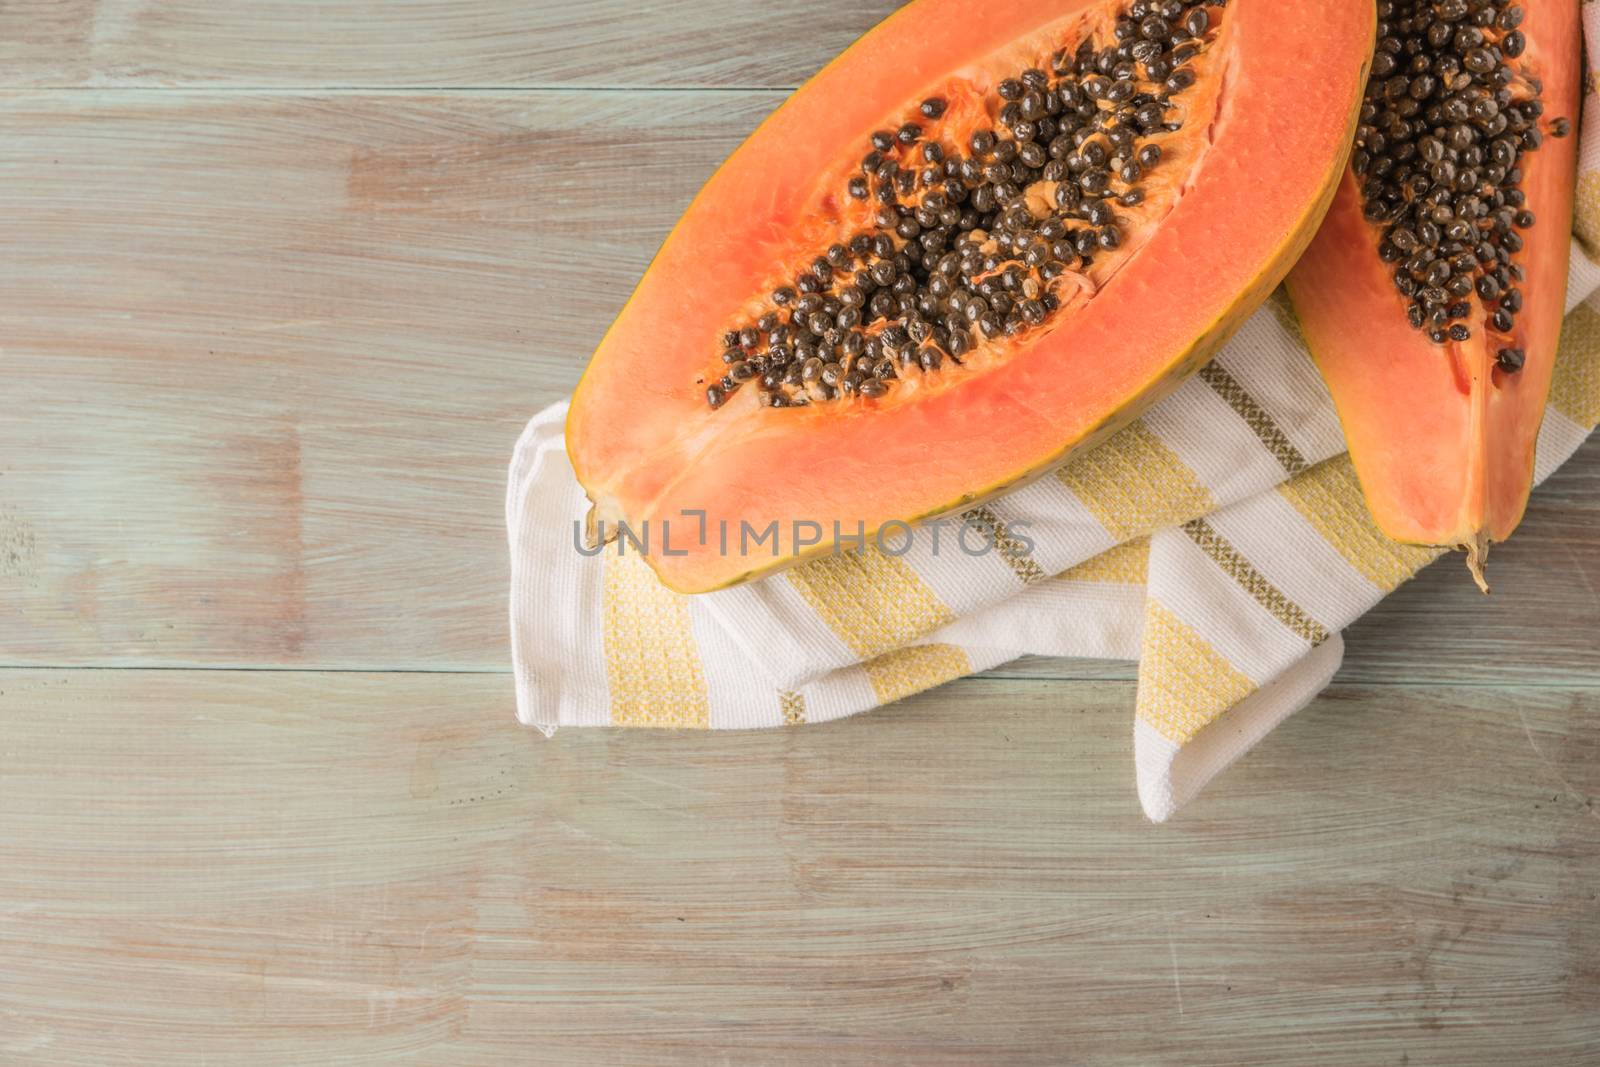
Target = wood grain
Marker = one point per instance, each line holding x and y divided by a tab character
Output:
265	344
432	43
266	357
386	867
266	354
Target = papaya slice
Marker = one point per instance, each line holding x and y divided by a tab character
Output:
985	235
1432	297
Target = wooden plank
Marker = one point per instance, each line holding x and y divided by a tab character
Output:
348	866
266	355
433	43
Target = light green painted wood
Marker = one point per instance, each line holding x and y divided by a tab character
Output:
267	341
283	867
428	43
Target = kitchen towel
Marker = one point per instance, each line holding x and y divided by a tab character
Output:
1221	541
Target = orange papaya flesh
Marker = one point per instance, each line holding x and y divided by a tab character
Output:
1442	436
1249	156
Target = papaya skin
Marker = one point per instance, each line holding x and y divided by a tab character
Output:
1055	433
1443	441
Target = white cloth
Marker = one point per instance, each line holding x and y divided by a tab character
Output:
1221	541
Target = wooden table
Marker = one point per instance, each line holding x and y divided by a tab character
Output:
281	283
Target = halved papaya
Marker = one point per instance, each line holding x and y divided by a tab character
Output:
1432	296
985	235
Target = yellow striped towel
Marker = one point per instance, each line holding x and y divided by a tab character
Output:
1221	541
